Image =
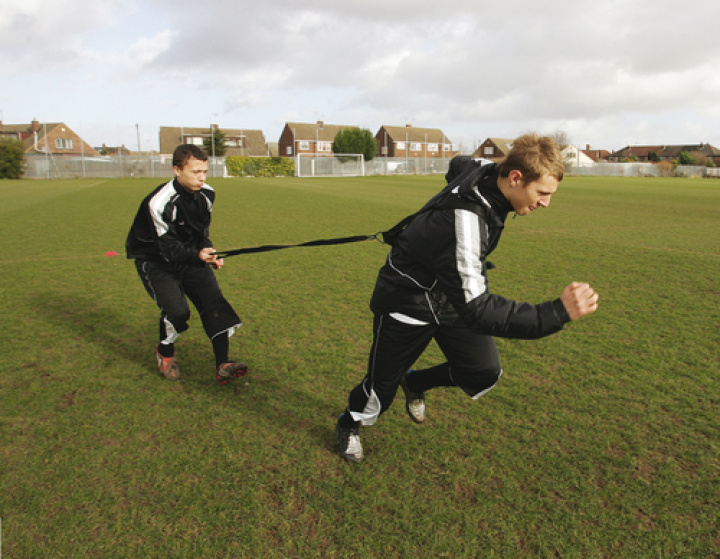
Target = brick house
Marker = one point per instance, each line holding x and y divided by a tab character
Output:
301	138
55	138
597	155
703	152
640	153
408	141
250	143
494	149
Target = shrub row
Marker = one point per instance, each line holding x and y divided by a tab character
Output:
238	166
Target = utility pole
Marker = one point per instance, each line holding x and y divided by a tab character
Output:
212	144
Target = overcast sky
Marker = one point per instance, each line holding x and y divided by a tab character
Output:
607	73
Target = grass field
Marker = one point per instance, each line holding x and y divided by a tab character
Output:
600	441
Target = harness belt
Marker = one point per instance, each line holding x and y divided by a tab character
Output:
319	242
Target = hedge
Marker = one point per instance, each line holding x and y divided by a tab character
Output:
238	166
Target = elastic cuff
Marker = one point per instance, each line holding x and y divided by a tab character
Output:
560	311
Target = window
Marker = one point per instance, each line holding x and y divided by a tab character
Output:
324	146
304	145
416	146
489	150
446	147
400	145
235	141
432	147
194	140
288	150
63	143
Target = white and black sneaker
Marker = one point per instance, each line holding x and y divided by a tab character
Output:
349	442
414	401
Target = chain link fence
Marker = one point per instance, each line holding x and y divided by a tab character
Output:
43	166
406	166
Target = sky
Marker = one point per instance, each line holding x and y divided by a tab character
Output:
604	73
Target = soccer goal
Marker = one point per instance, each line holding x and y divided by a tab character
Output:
345	165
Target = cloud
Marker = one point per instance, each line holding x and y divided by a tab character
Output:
471	66
37	35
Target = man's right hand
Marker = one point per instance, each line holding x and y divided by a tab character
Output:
579	299
207	255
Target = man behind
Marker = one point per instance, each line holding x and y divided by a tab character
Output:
169	240
434	286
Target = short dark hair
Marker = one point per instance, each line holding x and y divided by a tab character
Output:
187	151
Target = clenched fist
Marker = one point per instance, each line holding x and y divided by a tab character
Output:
579	299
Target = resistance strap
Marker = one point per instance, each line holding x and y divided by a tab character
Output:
319	242
445	199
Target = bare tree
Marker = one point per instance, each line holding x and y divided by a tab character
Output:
561	138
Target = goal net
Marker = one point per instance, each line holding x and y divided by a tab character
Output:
345	165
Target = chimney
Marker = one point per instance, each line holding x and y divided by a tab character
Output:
408	126
35	125
321	124
587	147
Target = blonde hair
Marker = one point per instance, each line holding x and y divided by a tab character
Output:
534	156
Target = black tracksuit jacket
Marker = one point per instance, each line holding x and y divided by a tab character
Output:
436	271
172	225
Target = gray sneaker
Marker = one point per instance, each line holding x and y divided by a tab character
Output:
349	443
230	371
414	401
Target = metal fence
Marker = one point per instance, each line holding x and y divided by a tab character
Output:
640	170
615	170
344	165
695	171
406	166
42	166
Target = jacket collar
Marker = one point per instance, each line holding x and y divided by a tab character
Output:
485	192
185	193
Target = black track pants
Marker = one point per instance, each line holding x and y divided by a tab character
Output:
170	284
473	361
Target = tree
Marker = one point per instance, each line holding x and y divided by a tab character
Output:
356	140
654	157
561	137
686	158
12	159
217	138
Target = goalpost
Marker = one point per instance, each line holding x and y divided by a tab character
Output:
339	165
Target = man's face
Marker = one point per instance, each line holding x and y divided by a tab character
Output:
192	176
527	197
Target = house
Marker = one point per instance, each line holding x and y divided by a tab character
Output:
273	149
250	143
494	149
637	153
597	155
114	151
299	138
409	141
702	152
574	157
54	138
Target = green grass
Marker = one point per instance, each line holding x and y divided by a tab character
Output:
600	441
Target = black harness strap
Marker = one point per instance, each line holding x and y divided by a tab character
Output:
319	242
444	200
